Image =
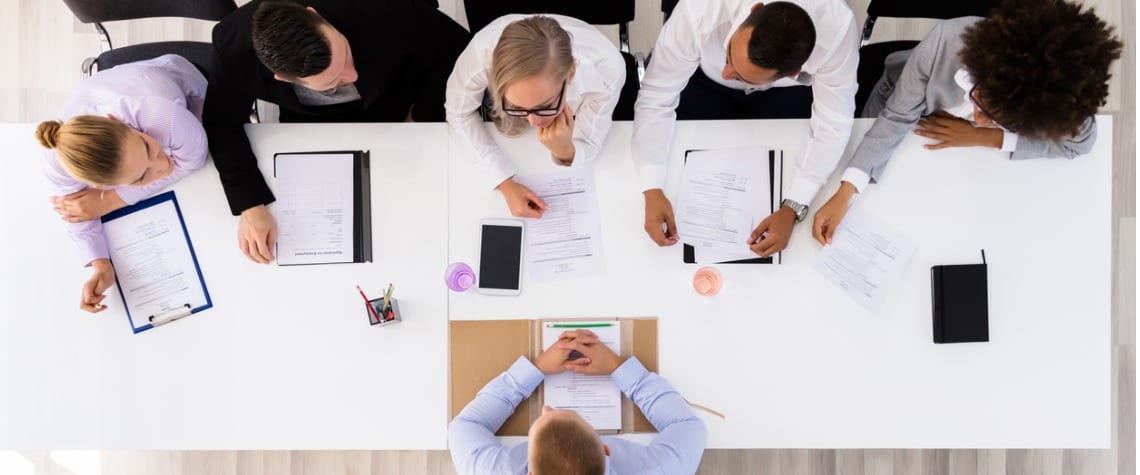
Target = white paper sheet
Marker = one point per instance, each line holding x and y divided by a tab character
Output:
314	208
566	243
865	258
596	398
763	196
153	263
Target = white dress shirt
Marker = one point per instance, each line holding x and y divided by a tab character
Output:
965	110
697	35
591	95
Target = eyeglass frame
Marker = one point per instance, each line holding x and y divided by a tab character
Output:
974	101
538	112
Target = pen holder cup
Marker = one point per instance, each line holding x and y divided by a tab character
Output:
377	308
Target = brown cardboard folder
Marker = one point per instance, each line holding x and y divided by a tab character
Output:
482	349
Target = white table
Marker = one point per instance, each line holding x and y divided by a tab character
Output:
286	358
793	362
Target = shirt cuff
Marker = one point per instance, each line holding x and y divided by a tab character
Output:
92	248
857	177
497	169
526	374
628	374
652	176
1008	141
802	191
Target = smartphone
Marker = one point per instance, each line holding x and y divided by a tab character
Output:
500	257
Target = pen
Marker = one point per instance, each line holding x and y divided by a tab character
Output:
369	304
388	313
580	325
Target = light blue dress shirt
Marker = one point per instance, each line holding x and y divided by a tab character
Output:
676	449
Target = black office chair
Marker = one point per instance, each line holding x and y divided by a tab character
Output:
873	56
98	11
667	7
595	12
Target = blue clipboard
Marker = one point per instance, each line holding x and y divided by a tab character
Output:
147	323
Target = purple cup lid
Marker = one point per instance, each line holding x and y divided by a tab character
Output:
459	277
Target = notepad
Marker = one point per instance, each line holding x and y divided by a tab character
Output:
596	398
156	268
960	303
323	207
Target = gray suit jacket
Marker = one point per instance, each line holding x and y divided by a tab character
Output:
925	85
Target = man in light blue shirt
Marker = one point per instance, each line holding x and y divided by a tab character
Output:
560	441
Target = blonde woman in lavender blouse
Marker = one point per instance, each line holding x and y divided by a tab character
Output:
125	134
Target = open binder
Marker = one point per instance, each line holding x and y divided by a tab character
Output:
156	268
323	207
775	197
480	350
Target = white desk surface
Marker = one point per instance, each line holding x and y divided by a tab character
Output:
286	358
793	362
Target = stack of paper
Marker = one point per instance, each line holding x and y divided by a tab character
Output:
725	194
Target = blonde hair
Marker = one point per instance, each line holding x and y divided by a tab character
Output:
565	447
89	146
526	48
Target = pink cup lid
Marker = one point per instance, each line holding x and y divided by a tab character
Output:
707	281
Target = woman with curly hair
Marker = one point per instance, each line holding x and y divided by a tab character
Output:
1026	80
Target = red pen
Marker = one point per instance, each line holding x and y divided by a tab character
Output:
369	304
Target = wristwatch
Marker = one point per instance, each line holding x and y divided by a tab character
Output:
799	209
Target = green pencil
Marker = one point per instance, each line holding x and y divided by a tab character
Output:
580	325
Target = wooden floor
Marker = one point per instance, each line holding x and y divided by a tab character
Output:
43	45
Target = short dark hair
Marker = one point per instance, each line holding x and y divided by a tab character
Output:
783	37
288	41
1040	67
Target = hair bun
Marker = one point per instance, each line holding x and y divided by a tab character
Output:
48	133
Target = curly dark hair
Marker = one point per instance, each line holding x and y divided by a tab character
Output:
288	41
1040	67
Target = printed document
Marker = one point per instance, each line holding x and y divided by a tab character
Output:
566	242
314	208
153	263
865	258
596	398
724	195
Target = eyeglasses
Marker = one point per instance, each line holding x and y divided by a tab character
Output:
545	112
974	99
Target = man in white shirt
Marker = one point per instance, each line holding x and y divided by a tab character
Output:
747	48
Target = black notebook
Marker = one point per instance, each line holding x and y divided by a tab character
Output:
323	207
776	196
960	303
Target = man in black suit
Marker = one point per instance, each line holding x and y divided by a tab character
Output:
325	61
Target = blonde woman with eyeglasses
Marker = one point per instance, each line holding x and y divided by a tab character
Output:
556	75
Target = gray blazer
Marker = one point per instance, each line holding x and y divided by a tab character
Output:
925	85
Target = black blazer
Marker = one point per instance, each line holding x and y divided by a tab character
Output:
403	51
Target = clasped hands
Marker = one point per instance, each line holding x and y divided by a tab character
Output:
593	357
